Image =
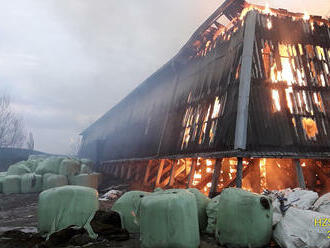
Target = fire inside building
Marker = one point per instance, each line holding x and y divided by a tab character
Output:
245	102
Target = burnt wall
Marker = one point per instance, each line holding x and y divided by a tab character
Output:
188	106
290	90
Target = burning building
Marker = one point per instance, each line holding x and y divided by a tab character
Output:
245	102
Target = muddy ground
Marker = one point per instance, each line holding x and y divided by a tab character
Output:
19	212
18	223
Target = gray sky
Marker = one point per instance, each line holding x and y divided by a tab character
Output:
66	62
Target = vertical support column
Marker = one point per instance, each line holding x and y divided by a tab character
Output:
300	174
146	175
192	172
172	176
215	177
129	170
160	172
239	173
245	82
122	170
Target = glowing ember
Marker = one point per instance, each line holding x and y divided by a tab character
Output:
269	24
263	173
216	108
306	16
276	98
303	164
310	127
208	162
209	185
208	170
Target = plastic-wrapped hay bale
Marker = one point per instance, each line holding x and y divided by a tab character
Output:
85	169
212	211
87	162
2	178
62	207
302	228
322	205
11	184
31	183
32	164
37	157
87	180
202	202
244	219
169	220
127	206
52	181
69	167
18	169
49	165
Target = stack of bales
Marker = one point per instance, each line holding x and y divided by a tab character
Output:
40	172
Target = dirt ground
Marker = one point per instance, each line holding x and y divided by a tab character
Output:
19	212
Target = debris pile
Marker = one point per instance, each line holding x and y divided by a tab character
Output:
40	173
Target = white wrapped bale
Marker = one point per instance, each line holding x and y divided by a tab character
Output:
302	199
322	205
11	184
302	228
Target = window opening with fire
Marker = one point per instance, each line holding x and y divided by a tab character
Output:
299	73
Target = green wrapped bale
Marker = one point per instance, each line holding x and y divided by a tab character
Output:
202	202
31	183
11	184
169	219
49	165
85	169
59	208
18	169
37	157
2	178
244	219
52	181
127	207
69	167
87	180
87	162
32	164
212	212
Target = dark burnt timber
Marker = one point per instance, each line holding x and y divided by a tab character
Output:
258	88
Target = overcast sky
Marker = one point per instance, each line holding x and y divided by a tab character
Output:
66	62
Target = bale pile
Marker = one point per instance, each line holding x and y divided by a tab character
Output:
40	173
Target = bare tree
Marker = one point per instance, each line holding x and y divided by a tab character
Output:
30	142
11	125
